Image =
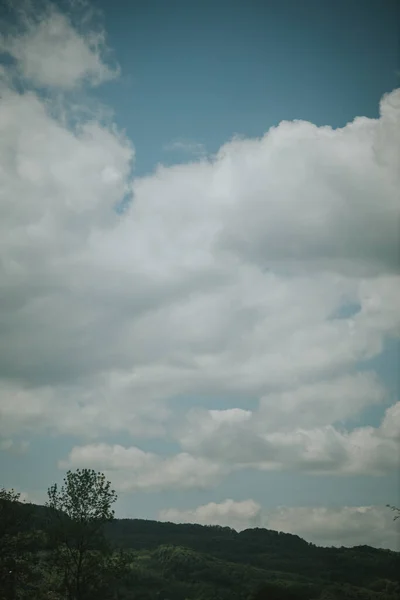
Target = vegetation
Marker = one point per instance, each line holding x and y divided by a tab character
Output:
77	515
74	549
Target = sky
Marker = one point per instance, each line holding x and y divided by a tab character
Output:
199	274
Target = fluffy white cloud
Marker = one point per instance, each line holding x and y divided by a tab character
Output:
269	440
308	406
133	469
50	52
230	442
238	515
319	189
224	276
344	526
390	426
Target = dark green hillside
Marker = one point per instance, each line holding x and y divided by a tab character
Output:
261	548
148	560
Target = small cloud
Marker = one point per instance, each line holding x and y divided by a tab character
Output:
238	515
18	448
187	147
50	52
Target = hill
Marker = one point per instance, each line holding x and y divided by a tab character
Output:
180	562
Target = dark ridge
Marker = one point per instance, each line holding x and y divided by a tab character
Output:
181	561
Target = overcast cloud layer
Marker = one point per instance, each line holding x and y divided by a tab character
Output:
226	276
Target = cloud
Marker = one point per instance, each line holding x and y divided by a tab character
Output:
186	146
224	277
90	409
13	446
273	440
217	453
324	526
50	52
315	205
238	515
323	402
133	469
311	405
347	526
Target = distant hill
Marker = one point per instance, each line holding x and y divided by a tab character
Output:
261	548
182	561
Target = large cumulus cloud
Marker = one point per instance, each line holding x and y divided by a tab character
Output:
225	275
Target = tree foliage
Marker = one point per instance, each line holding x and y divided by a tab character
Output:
78	512
15	544
395	510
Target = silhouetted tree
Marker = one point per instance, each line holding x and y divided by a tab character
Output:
79	511
396	510
13	542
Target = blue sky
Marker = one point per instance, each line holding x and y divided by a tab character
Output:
204	71
226	348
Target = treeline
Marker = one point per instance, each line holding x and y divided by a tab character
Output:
60	552
74	549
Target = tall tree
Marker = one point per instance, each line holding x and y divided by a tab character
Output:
78	512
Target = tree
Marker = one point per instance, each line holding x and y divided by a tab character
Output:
78	513
271	591
9	518
13	516
14	542
396	510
